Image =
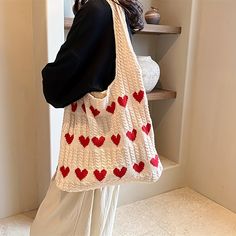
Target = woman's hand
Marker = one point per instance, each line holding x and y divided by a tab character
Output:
99	94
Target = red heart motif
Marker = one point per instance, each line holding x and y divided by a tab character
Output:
69	138
154	161
120	173
74	106
84	141
146	128
116	139
94	111
132	135
100	175
123	101
138	167
138	96
98	141
111	108
81	174
83	107
65	171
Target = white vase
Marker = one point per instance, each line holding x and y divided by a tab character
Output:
150	72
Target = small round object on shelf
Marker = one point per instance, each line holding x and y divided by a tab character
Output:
150	72
153	16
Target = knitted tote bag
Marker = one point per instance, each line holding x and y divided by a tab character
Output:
109	140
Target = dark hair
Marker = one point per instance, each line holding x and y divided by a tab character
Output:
133	10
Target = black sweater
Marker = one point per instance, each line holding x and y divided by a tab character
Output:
86	61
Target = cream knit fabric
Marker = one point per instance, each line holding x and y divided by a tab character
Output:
109	140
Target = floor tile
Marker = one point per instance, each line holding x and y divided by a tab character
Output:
180	212
15	226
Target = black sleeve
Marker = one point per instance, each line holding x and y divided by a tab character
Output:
86	61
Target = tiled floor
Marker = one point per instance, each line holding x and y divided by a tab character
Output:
181	212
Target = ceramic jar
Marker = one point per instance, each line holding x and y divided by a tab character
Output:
152	16
150	72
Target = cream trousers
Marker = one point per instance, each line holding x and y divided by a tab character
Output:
88	213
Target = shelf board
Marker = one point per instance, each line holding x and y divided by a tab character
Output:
148	28
160	29
167	164
68	22
161	94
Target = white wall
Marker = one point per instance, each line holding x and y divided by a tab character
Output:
55	36
211	129
41	54
172	55
18	181
30	37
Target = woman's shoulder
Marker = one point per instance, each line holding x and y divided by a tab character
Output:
96	8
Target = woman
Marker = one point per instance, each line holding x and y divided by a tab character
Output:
85	63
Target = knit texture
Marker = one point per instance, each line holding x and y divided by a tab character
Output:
109	139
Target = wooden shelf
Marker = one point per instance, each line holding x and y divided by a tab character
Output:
160	29
161	94
148	28
68	22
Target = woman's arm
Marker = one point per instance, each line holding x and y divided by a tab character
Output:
86	61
